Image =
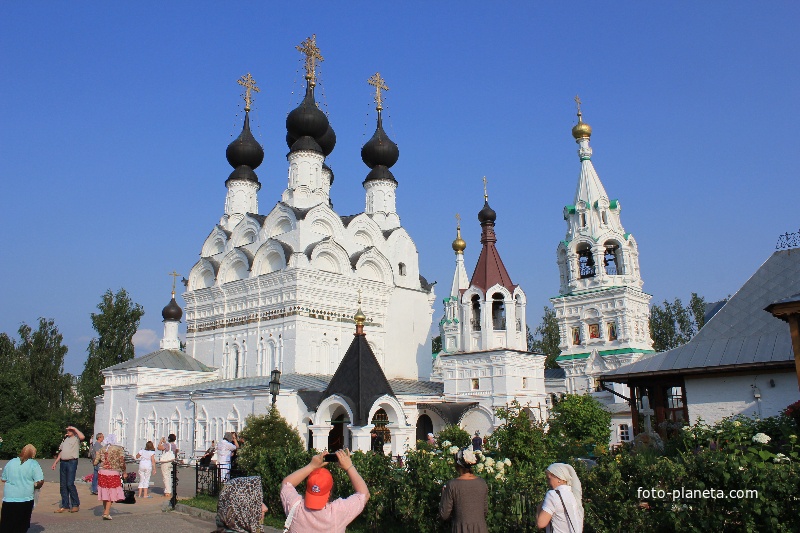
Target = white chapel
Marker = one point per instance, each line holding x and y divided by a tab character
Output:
336	303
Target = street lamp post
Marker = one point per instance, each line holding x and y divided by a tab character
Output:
275	385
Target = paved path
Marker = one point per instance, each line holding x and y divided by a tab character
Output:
145	515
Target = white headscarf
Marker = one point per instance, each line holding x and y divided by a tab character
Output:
566	473
111	440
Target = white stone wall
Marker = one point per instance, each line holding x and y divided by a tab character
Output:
714	398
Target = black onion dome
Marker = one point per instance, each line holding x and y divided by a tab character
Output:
290	140
307	119
245	150
487	214
327	141
380	149
172	311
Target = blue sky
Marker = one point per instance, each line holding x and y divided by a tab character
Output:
114	118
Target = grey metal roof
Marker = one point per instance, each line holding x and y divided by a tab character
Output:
305	383
740	335
166	359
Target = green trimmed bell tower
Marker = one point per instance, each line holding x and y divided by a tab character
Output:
602	312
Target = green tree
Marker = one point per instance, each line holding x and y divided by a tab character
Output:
456	435
578	421
545	338
519	437
436	344
41	359
673	324
115	324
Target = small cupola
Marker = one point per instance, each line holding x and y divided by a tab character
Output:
380	152
245	154
307	127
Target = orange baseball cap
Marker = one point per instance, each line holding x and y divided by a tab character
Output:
318	488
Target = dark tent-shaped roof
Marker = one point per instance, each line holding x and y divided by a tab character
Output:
359	380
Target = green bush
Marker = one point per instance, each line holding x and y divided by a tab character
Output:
578	426
734	454
454	435
45	436
267	432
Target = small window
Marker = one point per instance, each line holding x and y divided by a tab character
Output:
402	269
524	383
475	383
624	433
605	221
583	220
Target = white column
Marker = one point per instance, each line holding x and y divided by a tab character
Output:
361	437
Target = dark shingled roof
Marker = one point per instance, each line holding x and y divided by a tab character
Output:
554	373
166	359
740	335
359	380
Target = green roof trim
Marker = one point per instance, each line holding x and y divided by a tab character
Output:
626	236
613	204
602	353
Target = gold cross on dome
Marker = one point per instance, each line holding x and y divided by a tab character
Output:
380	85
578	103
458	220
485	195
174	277
309	48
249	84
359	297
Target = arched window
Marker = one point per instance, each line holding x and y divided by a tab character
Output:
612	259
402	269
476	313
583	220
585	261
381	423
175	424
605	220
498	312
518	312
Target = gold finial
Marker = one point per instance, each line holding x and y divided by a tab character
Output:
485	194
359	317
249	84
459	245
174	277
380	85
581	130
309	48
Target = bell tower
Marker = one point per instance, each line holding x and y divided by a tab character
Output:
602	312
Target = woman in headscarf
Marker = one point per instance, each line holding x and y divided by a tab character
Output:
562	508
241	506
109	480
20	477
465	498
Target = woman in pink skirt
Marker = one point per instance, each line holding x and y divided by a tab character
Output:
109	480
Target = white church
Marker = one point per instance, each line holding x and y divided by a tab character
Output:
337	304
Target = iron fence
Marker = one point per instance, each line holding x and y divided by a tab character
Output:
788	240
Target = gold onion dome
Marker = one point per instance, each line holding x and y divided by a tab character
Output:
459	245
581	130
360	317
